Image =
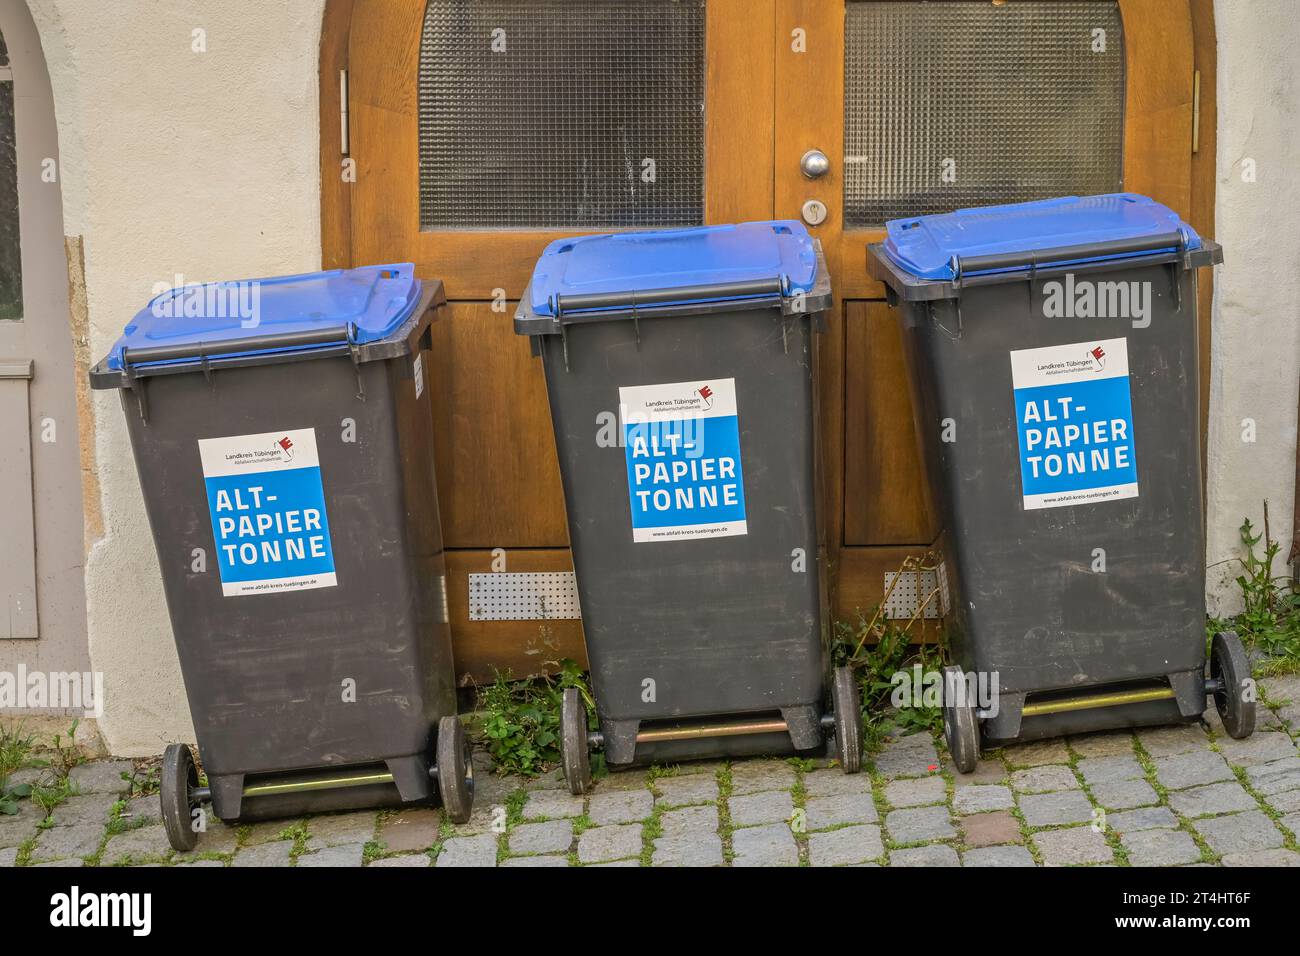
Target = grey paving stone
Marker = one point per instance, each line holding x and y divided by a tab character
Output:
600	844
85	808
916	792
911	756
770	845
755	776
1262	858
216	838
997	856
101	776
709	767
846	846
688	821
987	771
1046	809
1044	779
1215	798
552	805
414	828
834	783
1104	744
206	864
1239	832
491	789
990	829
142	810
486	818
1125	794
626	806
533	861
616	863
1160	847
936	854
1275	777
9	856
1072	847
1148	818
554	780
982	799
688	851
773	806
626	778
554	836
137	846
1258	748
342	829
1192	769
407	860
269	831
687	790
919	824
21	827
340	854
1113	769
478	850
1036	753
823	812
264	854
1288	801
1167	741
59	843
70	862
1291	822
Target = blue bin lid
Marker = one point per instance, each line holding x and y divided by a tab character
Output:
677	258
368	302
925	245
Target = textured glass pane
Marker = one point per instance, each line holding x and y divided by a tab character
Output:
561	113
958	104
11	276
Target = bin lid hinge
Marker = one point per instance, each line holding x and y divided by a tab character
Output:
355	352
137	386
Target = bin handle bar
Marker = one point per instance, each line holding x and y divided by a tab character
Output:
584	301
1034	259
202	350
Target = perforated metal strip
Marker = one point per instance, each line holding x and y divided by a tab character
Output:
561	113
913	588
524	596
953	104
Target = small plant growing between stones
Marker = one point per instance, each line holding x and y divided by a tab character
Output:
1270	618
15	750
522	719
142	781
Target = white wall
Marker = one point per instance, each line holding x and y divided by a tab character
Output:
1256	342
173	161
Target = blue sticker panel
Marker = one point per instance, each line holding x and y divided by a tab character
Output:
684	474
1075	434
266	500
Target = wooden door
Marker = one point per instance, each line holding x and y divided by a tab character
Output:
774	79
918	85
498	480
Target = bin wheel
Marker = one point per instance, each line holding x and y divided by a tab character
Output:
573	742
179	777
960	726
1229	665
455	770
846	703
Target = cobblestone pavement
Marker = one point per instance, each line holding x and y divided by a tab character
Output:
1168	796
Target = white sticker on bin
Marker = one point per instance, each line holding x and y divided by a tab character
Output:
267	504
1074	419
684	477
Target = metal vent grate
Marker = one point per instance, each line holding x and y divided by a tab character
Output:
561	114
913	588
953	104
524	596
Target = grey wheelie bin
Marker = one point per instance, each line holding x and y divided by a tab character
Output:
281	431
1052	351
679	368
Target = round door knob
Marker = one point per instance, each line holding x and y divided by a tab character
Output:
814	212
814	164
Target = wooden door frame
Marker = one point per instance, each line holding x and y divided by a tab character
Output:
816	84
